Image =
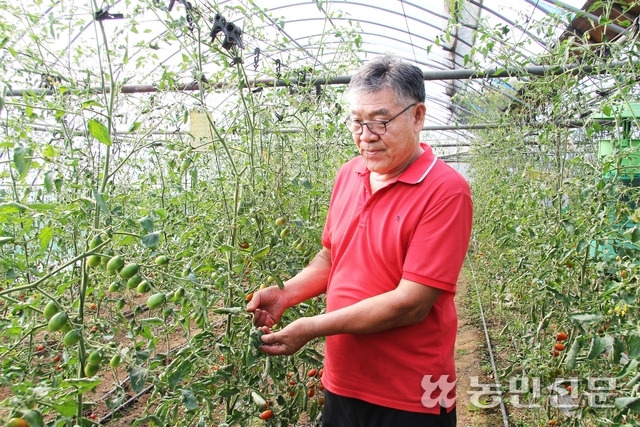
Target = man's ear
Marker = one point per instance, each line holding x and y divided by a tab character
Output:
419	113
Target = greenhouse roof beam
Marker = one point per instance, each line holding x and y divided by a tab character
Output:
510	22
382	9
459	74
280	29
446	18
430	40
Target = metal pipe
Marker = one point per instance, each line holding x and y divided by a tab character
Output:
459	74
461	127
570	124
478	126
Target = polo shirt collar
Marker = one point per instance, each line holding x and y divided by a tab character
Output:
417	171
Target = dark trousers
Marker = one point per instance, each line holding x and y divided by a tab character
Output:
342	411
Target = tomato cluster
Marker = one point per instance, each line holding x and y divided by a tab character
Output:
559	346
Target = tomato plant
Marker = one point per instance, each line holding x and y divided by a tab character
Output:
556	246
128	256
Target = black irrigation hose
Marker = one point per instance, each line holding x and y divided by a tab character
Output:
133	399
126	404
130	401
503	408
113	390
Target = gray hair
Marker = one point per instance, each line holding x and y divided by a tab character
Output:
406	80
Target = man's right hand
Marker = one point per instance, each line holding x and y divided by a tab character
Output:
267	306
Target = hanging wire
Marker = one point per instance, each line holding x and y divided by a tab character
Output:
529	18
406	21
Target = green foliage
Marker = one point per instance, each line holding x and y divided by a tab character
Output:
192	219
555	239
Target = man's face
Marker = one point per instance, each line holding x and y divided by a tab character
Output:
391	153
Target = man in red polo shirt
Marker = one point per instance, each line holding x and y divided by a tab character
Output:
394	242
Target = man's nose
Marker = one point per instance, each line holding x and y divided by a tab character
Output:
367	135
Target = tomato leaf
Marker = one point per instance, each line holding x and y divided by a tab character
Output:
228	392
5	239
134	126
46	234
138	377
91	103
100	202
81	385
582	245
278	281
189	399
151	240
146	223
632	403
633	342
99	131
152	321
628	369
148	419
48	181
66	408
50	152
116	398
175	374
33	417
618	350
572	355
254	336
599	345
22	160
12	207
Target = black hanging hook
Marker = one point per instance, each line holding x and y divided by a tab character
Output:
103	14
218	25
232	33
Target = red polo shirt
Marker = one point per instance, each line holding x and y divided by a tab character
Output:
416	228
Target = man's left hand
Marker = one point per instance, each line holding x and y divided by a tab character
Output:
288	340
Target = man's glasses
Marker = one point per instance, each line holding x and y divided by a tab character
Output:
376	127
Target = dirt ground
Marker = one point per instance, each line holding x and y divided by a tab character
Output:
471	361
471	356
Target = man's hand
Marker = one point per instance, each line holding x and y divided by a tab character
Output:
289	340
267	306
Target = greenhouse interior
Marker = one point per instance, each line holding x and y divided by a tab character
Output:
164	164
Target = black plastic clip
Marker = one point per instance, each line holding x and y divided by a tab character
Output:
103	14
218	25
256	58
189	8
232	33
